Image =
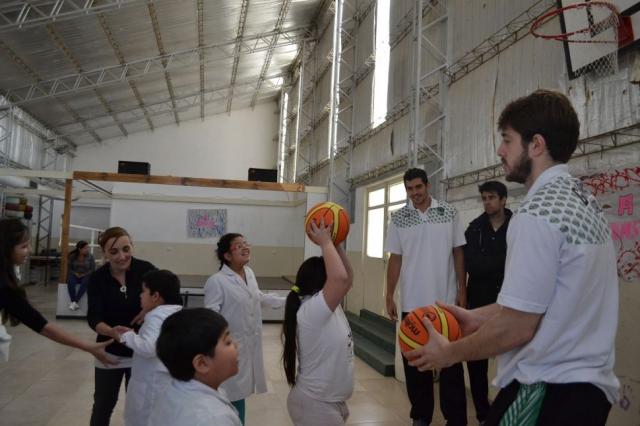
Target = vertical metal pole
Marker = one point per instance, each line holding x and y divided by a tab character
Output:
6	131
281	124
417	70
313	117
298	112
334	99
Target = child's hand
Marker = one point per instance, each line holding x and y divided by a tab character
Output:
119	330
320	234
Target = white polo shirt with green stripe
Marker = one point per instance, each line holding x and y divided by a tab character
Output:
561	263
425	241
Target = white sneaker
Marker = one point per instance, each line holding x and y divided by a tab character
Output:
72	306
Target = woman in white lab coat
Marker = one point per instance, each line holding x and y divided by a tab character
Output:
233	292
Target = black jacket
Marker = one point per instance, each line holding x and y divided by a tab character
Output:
484	258
107	304
19	308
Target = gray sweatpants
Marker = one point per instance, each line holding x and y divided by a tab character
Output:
306	411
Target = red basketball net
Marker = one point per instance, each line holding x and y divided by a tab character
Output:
593	22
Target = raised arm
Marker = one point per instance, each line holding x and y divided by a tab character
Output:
338	279
345	260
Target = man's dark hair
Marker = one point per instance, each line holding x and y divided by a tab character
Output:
549	114
184	335
414	173
494	186
164	282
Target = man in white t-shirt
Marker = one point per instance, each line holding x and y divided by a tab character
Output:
554	324
425	239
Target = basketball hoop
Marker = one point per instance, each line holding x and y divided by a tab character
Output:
601	16
591	22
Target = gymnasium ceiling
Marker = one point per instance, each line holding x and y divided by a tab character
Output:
100	69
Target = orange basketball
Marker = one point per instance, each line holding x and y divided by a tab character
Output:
413	334
334	215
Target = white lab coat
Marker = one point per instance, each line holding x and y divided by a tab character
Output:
193	403
149	377
240	304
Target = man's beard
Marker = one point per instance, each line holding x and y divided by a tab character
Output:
521	170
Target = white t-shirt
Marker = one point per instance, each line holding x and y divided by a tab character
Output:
195	404
425	241
325	351
561	263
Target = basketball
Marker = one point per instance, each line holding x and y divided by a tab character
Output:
334	215
413	334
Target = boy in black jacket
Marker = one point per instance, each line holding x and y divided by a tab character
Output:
484	257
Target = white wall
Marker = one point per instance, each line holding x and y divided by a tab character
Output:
159	228
165	221
222	146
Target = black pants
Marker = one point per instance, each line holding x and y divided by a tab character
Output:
565	404
105	397
478	371
453	399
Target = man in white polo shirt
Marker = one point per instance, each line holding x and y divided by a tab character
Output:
554	324
425	239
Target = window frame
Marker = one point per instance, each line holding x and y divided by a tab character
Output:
387	184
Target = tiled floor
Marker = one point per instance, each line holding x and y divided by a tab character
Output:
48	384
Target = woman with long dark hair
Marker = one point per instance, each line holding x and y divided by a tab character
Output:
114	300
15	244
317	335
233	292
81	265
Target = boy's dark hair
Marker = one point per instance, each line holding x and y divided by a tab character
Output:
546	113
184	335
494	186
414	173
164	282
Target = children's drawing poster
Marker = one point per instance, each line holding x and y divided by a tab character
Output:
203	223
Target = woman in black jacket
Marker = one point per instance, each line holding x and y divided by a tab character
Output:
15	244
114	300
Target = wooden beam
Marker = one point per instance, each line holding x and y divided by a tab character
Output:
188	181
66	221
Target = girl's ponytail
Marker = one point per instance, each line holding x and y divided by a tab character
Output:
289	336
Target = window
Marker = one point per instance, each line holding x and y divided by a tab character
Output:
381	70
381	201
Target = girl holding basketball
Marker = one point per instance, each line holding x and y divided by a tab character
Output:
317	335
233	292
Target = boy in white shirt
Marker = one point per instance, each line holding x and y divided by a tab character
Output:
197	349
160	298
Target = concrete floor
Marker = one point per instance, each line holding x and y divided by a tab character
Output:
49	384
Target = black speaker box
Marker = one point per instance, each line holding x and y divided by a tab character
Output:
134	167
263	175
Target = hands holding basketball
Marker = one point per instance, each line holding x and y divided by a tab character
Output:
434	354
320	233
425	335
332	215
